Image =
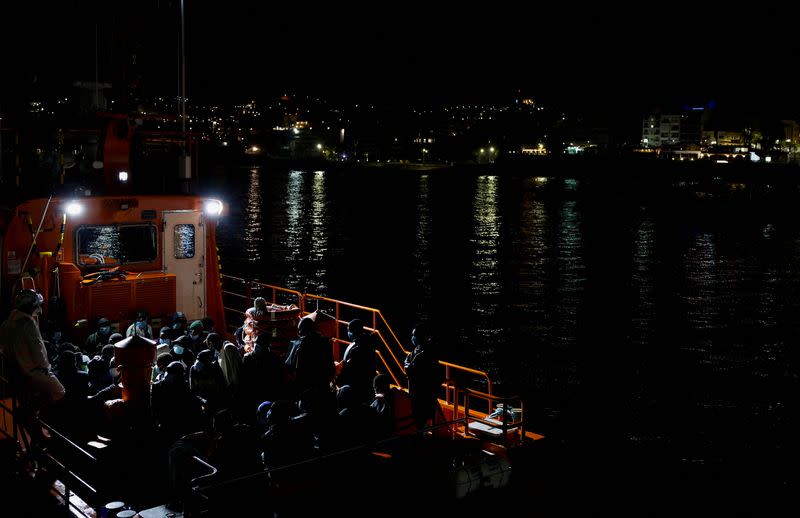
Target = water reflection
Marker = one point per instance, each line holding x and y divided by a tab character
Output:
500	268
642	282
571	272
253	218
422	265
701	299
319	232
293	252
485	276
533	255
306	232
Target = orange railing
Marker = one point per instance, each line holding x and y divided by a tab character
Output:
461	402
238	295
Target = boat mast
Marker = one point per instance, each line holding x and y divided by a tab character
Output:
185	166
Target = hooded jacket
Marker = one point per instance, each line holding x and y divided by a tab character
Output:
21	340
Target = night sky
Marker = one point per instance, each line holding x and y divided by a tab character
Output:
409	52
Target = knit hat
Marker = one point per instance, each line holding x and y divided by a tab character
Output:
197	324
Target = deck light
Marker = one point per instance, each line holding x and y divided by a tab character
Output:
213	207
123	176
73	208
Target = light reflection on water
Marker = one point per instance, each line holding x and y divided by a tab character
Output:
500	265
484	275
422	252
253	227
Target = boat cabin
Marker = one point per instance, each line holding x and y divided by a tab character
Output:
112	256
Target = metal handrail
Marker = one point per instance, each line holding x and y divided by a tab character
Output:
195	482
378	319
491	401
389	441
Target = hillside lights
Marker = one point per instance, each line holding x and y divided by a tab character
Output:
73	208
213	207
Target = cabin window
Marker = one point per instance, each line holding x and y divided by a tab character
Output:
184	241
111	245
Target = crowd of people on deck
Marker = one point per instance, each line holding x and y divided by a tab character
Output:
236	403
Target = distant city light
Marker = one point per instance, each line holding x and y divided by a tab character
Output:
123	176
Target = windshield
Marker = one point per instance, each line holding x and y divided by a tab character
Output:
111	245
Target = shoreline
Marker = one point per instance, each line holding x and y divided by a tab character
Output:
592	169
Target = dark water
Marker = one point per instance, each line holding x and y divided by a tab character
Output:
659	322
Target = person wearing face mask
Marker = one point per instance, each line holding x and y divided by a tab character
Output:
99	338
140	327
160	372
180	352
22	347
197	336
425	376
178	324
164	344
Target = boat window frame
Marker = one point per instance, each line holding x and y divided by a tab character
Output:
77	248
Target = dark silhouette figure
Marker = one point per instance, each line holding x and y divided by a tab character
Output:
311	358
424	376
358	362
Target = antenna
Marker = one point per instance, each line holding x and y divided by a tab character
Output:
183	77
185	164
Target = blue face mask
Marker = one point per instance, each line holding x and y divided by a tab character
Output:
104	330
165	341
350	336
414	341
178	350
141	325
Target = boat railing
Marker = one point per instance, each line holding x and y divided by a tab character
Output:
69	483
208	484
498	419
238	295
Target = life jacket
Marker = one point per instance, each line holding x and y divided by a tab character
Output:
251	328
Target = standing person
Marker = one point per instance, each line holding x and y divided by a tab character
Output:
311	358
358	362
24	351
424	376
